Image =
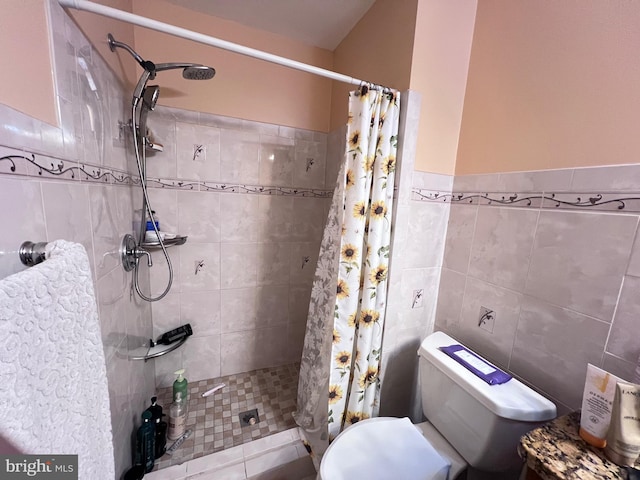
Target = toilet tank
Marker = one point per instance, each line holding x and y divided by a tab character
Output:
482	422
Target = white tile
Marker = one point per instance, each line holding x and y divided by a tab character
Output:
277	221
426	235
620	367
623	340
614	178
271	460
299	297
248	350
166	313
240	218
162	164
198	152
309	166
307	222
432	181
238	265
113	294
304	257
106	228
634	262
66	207
19	130
267	444
164	202
476	183
536	181
21	200
450	298
546	353
335	155
502	246
232	472
202	311
175	472
274	263
238	309
459	237
199	216
239	157
201	357
505	304
159	272
578	260
199	267
277	155
216	461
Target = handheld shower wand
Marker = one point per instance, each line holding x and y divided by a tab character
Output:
144	100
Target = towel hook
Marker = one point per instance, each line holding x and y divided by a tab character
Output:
32	253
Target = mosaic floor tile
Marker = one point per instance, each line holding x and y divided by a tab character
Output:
214	420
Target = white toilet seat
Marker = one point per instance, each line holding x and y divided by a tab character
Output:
383	448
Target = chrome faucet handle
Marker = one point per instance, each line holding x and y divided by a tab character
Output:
140	252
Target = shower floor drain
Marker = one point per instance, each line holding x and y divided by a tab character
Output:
248	418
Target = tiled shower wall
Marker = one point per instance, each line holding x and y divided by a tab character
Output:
73	182
555	255
252	199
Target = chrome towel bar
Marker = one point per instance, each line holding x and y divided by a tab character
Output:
32	253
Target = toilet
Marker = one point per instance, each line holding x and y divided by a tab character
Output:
470	425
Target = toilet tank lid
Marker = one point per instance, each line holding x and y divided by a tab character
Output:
512	400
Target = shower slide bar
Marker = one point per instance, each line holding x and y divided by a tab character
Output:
212	41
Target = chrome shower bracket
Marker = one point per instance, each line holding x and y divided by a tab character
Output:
130	253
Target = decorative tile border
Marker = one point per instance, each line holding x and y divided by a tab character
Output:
18	162
611	202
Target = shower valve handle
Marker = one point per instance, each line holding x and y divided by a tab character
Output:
140	252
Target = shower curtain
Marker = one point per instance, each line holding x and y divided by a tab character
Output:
339	382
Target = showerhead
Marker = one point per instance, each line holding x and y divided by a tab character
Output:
150	96
198	72
190	71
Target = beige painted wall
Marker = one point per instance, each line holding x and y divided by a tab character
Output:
439	66
378	49
26	83
243	87
552	85
96	27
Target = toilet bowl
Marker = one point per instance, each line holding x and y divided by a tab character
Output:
470	423
387	448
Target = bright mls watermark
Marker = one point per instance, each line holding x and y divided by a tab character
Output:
49	467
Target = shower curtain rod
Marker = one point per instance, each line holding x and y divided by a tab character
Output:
212	41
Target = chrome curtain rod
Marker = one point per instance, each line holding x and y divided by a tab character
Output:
212	41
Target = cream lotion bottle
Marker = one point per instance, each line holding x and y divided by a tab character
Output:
623	439
597	400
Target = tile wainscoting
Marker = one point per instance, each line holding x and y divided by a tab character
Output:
554	255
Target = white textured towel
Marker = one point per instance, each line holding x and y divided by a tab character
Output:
54	397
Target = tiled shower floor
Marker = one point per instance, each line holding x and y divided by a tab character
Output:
214	420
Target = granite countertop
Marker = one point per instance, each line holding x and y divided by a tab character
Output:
555	451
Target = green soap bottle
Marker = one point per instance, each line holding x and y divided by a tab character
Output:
180	385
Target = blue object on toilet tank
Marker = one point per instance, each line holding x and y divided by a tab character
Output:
476	365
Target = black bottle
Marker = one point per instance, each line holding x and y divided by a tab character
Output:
161	428
161	438
146	442
175	334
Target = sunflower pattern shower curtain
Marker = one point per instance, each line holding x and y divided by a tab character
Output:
339	372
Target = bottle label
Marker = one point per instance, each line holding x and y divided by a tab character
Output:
177	426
